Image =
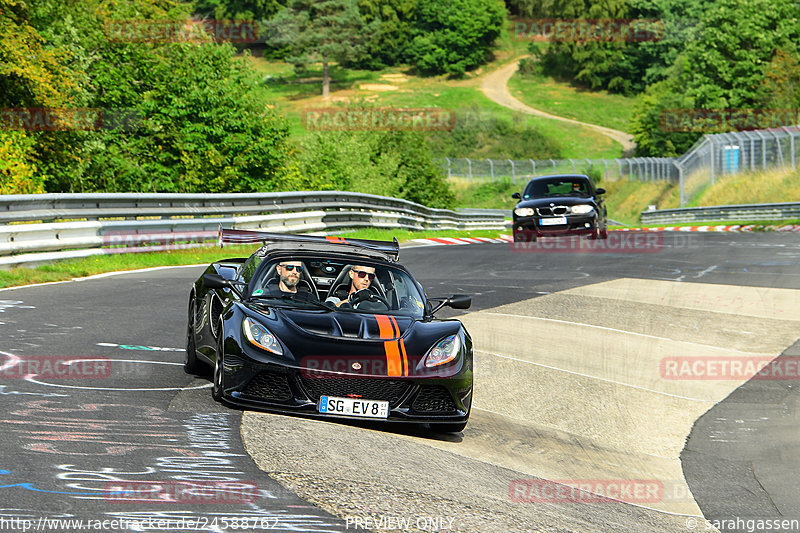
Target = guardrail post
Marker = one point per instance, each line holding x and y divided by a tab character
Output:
554	165
491	168
449	173
533	164
469	164
605	163
513	172
573	165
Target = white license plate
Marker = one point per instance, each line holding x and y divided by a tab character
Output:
555	221
353	407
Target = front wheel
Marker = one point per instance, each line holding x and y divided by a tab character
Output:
216	389
190	363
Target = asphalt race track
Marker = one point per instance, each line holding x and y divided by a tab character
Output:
573	387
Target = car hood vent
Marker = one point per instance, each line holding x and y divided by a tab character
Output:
349	325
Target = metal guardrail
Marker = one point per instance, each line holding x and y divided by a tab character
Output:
778	211
46	227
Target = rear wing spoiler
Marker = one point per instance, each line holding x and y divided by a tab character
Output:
239	236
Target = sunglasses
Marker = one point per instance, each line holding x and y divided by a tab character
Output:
293	267
363	274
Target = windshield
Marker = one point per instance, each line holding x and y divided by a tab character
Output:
337	286
557	187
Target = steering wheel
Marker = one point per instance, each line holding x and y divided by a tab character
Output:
366	295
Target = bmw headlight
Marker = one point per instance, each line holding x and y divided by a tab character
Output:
523	212
443	351
581	209
261	336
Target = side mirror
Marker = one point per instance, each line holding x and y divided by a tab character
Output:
516	196
600	190
459	301
456	301
215	281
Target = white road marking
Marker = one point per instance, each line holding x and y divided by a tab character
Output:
706	271
627	332
595	377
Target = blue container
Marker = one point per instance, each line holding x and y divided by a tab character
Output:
730	159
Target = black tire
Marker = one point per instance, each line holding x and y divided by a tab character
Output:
450	427
191	365
216	379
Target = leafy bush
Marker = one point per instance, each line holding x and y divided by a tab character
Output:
481	134
391	163
453	36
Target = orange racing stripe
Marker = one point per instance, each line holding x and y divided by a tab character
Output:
385	327
394	364
405	357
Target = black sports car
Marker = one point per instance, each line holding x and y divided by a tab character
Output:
560	205
329	327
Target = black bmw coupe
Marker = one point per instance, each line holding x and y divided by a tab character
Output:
329	327
559	205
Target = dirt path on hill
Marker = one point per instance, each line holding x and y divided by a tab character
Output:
495	87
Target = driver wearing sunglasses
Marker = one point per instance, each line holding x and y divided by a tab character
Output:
360	279
289	274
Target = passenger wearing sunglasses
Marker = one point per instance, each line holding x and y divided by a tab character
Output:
360	279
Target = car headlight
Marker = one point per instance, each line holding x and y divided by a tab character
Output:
261	336
523	212
443	351
581	209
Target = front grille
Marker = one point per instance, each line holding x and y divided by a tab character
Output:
434	399
269	386
549	211
369	389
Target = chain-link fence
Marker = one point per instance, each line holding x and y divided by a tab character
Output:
711	157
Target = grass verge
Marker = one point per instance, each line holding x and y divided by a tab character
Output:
565	100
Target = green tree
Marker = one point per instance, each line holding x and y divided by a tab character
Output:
781	85
391	163
199	122
320	30
453	36
238	9
723	68
390	23
31	75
